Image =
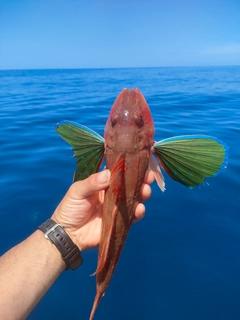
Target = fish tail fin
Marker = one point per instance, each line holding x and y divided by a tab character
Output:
96	303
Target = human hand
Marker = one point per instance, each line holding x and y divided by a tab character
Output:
80	211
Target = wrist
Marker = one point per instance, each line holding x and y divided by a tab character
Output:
50	256
72	232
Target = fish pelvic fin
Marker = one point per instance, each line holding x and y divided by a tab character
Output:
155	168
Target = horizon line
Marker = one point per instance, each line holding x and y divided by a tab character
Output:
101	68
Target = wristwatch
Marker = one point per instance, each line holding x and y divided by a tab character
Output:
58	236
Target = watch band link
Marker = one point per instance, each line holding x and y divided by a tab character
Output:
58	236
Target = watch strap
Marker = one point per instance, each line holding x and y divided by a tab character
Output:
58	236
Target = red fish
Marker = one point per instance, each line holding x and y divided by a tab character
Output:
129	147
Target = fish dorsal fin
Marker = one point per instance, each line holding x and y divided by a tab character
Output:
117	176
190	159
117	185
88	147
155	168
110	236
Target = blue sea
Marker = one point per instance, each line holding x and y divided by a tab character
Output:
182	261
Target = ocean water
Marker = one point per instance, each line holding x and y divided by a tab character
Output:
183	260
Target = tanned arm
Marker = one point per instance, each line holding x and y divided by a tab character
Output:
29	269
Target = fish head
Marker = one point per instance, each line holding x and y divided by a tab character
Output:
130	125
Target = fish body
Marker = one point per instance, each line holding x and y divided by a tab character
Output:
128	140
128	147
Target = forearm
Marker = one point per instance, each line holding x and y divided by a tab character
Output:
26	272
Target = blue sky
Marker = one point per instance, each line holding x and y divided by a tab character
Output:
118	33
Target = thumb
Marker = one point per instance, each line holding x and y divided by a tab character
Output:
96	182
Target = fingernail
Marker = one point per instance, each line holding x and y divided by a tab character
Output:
103	176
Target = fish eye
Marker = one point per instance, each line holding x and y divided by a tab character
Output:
114	120
139	120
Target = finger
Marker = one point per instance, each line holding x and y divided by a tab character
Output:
146	192
139	212
149	177
96	182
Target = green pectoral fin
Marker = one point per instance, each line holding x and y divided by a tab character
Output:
88	147
190	159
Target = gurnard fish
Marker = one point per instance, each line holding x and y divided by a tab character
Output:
130	151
